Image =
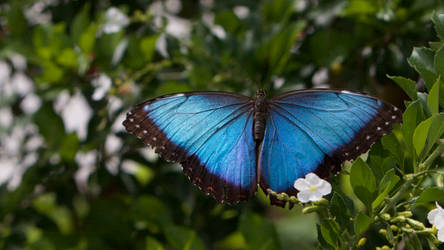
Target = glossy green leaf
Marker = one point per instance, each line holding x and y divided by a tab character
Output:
430	194
391	143
363	182
427	133
410	119
339	208
433	97
422	60
439	61
387	183
361	223
328	235
409	86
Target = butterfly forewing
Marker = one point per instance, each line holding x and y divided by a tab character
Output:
209	133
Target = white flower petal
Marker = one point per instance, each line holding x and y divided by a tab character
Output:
301	184
313	179
304	196
324	187
441	235
315	196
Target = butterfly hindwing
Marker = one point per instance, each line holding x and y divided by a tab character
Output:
315	131
209	133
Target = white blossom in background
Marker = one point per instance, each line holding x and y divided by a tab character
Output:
114	104
173	6
22	84
31	103
241	12
37	14
76	114
320	78
311	188
436	218
115	21
119	51
177	27
102	83
217	30
5	73
18	61
5	117
87	164
113	144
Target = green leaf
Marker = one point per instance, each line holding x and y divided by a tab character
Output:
391	143
430	194
183	238
329	235
335	50
16	19
70	146
340	210
148	46
387	183
410	119
427	133
153	244
409	86
258	233
150	209
67	58
438	21
422	60
439	61
172	87
362	223
433	97
80	23
363	182
277	10
228	20
52	134
360	7
88	38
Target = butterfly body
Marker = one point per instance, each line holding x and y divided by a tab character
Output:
228	144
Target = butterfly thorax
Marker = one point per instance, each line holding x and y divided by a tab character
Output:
260	114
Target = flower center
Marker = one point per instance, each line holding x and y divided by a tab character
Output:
312	188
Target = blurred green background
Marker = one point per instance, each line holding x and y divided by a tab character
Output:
71	178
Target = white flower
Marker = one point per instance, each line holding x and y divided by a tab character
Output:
115	21
312	188
102	84
436	218
76	114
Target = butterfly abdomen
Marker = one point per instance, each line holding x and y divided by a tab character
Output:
260	116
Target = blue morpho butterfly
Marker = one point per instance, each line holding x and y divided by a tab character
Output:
228	143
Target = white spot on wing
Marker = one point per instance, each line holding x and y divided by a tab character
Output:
346	92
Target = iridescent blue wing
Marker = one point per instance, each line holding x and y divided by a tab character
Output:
209	133
315	131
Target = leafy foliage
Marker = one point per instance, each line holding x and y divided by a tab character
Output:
72	178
